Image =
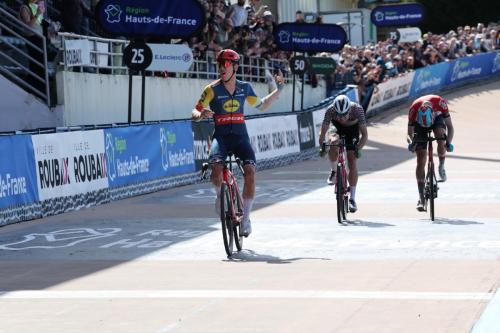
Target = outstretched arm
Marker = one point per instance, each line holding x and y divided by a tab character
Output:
273	96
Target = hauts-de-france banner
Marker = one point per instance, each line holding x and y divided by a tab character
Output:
141	153
17	171
397	15
151	18
310	37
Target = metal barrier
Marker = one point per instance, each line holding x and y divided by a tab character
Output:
23	59
251	68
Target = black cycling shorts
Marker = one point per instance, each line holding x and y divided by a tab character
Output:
351	134
421	132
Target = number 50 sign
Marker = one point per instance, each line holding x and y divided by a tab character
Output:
298	65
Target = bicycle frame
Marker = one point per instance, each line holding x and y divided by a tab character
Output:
341	188
232	186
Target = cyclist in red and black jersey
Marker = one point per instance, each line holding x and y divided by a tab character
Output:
349	120
429	112
223	100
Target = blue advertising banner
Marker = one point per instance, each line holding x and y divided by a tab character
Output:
310	37
429	79
18	184
469	68
495	69
151	18
397	15
141	153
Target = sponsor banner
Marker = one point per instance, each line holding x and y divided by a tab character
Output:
141	153
318	117
406	35
391	91
306	130
353	93
469	68
17	171
310	37
495	69
321	65
176	147
397	15
77	52
202	137
429	79
69	163
170	57
151	18
274	136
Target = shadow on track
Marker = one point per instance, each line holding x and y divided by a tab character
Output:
252	256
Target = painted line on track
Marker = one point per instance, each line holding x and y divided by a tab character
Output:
245	294
489	322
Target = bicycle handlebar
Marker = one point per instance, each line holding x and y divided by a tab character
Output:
429	139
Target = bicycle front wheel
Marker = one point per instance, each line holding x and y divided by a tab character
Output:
339	191
225	218
432	184
238	207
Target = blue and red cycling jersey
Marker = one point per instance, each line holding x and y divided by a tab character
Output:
228	109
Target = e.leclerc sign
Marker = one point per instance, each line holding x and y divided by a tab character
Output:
310	37
151	18
396	15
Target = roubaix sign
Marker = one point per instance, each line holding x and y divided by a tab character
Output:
310	37
397	15
151	18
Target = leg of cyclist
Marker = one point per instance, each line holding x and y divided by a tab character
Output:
245	152
216	158
333	154
353	179
439	132
420	175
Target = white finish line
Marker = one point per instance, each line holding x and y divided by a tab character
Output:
280	294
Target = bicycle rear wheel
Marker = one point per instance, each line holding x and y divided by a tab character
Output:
225	218
238	207
431	186
339	191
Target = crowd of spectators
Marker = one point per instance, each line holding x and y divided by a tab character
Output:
368	65
247	26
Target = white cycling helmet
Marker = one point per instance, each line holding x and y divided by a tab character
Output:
341	104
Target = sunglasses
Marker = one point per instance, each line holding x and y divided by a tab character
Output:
225	63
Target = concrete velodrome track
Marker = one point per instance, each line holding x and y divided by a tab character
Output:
156	263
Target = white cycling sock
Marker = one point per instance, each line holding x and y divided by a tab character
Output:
247	208
217	191
353	193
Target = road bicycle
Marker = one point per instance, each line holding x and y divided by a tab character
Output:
231	205
430	186
341	187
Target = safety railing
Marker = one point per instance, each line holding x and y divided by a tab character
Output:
106	56
23	59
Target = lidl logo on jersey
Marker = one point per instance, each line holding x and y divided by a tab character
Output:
231	106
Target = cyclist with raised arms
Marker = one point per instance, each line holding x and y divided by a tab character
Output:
349	120
223	100
429	113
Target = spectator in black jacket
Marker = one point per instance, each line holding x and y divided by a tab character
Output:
72	14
